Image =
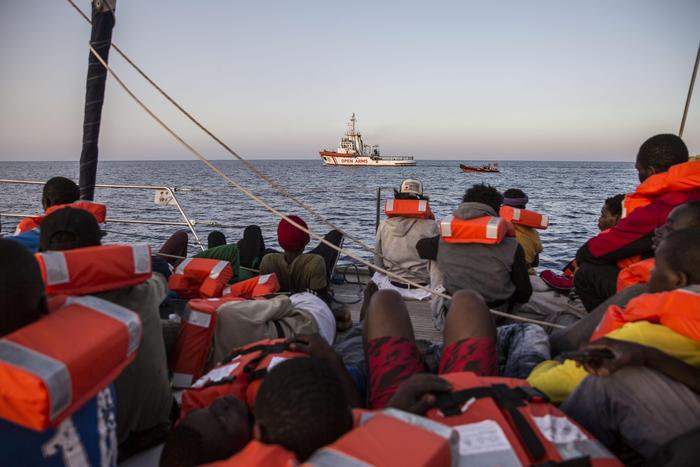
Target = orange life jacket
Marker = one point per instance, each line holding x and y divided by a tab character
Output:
486	229
191	350
95	269
257	286
50	368
680	177
239	375
96	209
257	454
524	217
200	277
635	273
677	310
418	208
522	427
386	440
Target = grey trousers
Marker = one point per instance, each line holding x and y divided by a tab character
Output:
638	405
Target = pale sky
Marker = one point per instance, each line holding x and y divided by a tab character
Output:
562	80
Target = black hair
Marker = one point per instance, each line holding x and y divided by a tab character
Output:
486	194
692	210
60	190
660	152
682	251
301	405
216	238
183	448
614	204
22	298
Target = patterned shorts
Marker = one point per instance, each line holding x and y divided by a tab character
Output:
392	360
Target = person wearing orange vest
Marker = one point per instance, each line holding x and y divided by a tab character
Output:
527	237
397	236
86	436
144	397
667	179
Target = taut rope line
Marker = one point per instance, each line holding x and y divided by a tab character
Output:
273	210
230	150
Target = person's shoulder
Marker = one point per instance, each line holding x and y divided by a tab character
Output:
311	259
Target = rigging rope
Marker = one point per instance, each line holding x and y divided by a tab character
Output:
279	214
250	166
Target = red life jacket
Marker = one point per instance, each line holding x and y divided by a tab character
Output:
486	229
239	375
521	426
257	286
96	209
51	367
677	310
200	278
189	355
680	177
391	438
95	269
257	454
524	217
635	273
417	208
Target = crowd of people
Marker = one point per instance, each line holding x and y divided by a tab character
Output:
239	355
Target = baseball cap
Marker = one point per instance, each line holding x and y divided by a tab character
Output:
69	228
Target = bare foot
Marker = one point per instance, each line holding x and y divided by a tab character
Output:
369	291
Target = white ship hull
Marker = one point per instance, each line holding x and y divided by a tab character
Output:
364	161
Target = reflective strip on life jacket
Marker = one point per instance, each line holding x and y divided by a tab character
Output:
391	438
518	419
257	286
200	277
635	273
95	269
51	367
189	355
415	208
240	374
677	310
524	217
485	229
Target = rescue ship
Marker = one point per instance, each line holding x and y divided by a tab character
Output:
481	168
353	152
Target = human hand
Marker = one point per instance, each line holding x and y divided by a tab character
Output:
315	346
417	393
623	354
343	318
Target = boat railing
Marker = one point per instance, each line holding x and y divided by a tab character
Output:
166	194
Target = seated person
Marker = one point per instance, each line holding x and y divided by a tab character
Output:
215	238
527	237
667	180
498	272
57	191
87	437
650	319
611	212
641	396
397	235
251	249
144	397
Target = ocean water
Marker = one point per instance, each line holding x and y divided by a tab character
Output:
571	193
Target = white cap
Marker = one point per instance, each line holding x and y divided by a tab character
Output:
411	186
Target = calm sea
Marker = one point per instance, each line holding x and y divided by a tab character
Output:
571	193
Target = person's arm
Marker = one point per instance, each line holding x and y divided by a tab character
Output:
631	354
428	247
417	393
520	276
315	346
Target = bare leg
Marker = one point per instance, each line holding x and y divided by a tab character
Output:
467	317
370	289
387	315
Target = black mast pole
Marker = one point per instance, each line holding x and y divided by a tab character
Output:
101	40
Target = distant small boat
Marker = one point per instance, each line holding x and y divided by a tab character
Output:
481	168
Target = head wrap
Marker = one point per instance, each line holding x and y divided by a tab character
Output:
516	202
291	238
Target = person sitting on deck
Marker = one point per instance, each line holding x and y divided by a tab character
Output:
298	271
397	235
527	237
87	435
611	212
666	318
667	180
497	271
144	398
